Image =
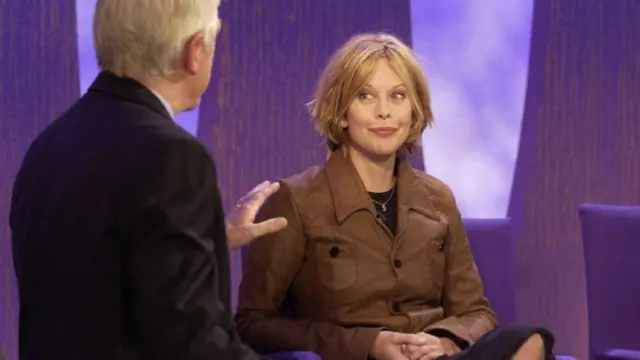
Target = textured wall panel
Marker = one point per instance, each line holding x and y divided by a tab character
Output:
38	80
580	143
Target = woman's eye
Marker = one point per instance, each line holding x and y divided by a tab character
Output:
399	96
365	96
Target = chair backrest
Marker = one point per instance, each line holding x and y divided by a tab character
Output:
493	247
611	242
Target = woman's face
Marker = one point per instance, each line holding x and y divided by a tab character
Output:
379	119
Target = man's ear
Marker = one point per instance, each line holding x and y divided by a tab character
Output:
193	51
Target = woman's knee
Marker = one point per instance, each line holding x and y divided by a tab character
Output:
531	349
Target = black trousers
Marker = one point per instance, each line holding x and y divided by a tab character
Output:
503	342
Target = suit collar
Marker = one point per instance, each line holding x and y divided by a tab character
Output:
349	194
129	90
164	102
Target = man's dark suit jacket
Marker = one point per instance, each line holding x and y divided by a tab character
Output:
119	236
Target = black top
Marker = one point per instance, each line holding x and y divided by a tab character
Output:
386	204
119	238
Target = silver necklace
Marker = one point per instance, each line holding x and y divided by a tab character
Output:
383	205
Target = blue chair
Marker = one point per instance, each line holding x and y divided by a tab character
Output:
493	246
294	355
2	357
611	242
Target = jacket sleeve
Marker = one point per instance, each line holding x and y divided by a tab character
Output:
176	267
271	263
467	312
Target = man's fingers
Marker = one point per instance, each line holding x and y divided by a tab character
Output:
268	227
254	202
270	189
261	196
259	187
252	193
407	339
255	199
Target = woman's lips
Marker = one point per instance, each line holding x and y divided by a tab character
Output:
384	131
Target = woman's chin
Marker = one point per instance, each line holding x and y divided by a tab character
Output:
383	154
378	152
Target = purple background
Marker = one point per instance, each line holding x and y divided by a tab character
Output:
576	138
476	54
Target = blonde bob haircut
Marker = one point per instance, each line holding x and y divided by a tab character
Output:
346	75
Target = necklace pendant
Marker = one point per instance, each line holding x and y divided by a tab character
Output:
384	207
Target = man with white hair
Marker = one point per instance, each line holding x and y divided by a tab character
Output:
119	236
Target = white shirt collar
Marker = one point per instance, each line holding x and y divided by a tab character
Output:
165	103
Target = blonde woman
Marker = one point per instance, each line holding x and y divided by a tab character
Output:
375	261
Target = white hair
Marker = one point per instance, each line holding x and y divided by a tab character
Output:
146	37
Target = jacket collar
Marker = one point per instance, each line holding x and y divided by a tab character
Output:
349	194
130	90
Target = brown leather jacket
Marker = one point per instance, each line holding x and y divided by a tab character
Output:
345	277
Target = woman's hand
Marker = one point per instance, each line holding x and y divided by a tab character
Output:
389	345
449	347
432	349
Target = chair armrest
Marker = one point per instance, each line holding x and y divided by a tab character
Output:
294	355
619	354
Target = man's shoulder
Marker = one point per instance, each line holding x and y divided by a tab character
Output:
135	128
123	115
117	134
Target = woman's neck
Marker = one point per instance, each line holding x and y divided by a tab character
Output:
377	175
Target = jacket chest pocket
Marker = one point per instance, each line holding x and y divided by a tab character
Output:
434	257
430	230
336	265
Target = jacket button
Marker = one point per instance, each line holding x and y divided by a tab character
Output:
440	247
397	263
334	252
395	307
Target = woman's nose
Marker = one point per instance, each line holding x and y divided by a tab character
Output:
382	110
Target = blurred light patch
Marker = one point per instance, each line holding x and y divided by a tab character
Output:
88	65
476	56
